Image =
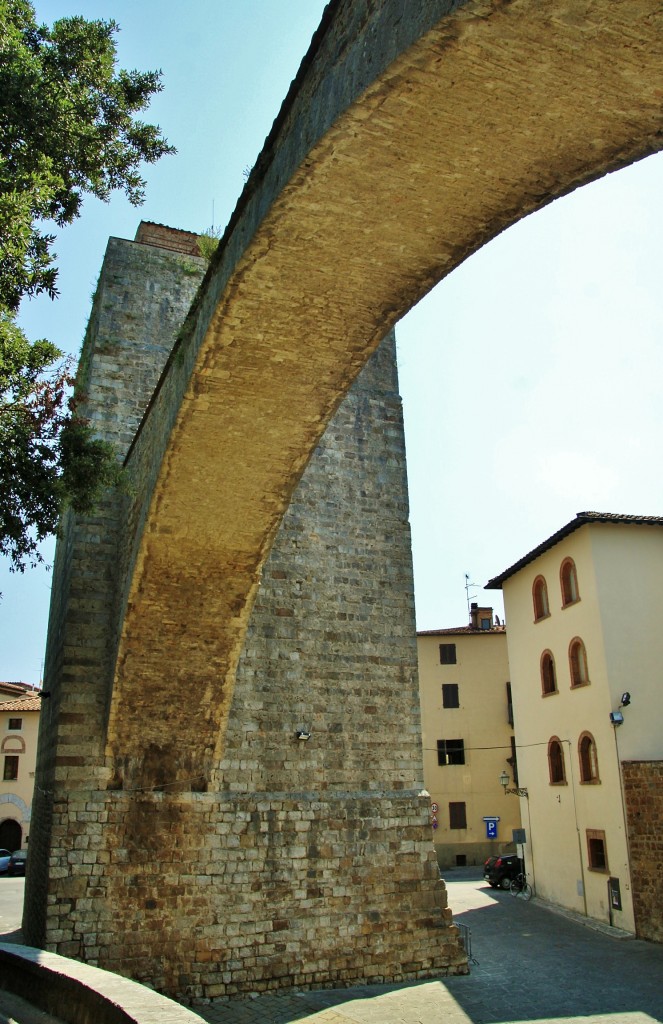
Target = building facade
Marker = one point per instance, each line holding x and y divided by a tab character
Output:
19	728
585	653
468	739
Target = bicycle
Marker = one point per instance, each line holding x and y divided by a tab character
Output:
521	887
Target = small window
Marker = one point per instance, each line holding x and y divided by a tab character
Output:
540	599
450	695
597	853
509	705
548	675
457	815
447	654
450	752
10	772
486	623
556	763
578	663
569	582
15	723
589	766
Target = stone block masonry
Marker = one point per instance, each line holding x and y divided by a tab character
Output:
643	796
292	862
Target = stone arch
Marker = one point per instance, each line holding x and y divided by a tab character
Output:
382	174
412	135
24	810
13	745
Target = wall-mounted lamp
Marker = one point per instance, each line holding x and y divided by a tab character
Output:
303	734
505	778
626	700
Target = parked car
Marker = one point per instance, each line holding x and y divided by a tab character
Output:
4	861
499	871
17	862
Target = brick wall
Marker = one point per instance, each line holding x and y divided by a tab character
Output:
643	794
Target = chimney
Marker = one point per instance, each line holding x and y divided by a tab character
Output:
480	618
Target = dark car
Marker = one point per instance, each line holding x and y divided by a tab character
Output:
499	871
17	862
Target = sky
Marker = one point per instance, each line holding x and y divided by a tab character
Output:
530	376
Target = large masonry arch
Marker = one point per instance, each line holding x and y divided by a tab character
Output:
412	135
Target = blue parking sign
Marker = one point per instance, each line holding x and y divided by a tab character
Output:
491	827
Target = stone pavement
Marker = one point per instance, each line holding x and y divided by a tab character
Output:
532	964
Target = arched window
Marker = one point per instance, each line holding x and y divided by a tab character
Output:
569	581
556	762
540	599
548	677
578	662
589	766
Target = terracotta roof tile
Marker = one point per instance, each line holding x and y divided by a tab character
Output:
581	519
21	704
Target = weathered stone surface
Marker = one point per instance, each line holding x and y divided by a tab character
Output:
643	797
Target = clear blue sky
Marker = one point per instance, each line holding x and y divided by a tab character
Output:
530	377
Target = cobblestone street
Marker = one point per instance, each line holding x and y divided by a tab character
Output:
532	964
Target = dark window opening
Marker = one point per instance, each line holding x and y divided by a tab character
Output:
540	599
447	654
596	850
457	815
10	772
450	752
569	581
548	678
556	762
450	695
513	761
15	723
589	769
509	705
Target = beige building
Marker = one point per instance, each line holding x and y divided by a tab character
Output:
586	655
468	738
19	726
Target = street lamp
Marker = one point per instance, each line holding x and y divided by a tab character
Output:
505	778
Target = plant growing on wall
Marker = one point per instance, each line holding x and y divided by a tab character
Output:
68	128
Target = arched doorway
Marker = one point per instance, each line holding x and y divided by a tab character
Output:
11	835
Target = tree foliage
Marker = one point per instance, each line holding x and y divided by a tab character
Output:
67	129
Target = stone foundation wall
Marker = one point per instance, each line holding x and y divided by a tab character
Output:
643	795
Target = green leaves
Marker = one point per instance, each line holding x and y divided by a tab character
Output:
67	129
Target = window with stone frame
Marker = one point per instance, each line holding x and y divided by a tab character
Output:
10	770
578	663
548	674
568	578
540	599
589	765
597	851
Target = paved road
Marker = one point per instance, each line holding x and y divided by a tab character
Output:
532	964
